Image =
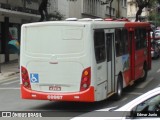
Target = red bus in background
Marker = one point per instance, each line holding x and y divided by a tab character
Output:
139	48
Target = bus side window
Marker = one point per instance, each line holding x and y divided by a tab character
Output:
137	39
99	45
140	34
118	42
143	38
125	41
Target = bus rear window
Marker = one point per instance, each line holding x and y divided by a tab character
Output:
54	40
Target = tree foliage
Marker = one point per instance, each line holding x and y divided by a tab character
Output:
141	5
154	15
153	6
55	16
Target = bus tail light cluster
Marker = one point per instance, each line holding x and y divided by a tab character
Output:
86	79
25	78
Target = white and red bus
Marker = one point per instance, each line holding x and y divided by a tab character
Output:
82	60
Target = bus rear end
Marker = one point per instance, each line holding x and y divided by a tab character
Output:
55	62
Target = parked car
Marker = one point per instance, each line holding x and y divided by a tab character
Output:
155	35
158	41
157	31
155	49
144	107
152	35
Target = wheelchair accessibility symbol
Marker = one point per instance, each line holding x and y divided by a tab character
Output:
34	78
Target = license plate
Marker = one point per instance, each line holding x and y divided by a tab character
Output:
55	88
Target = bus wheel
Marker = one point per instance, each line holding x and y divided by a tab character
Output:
118	94
144	75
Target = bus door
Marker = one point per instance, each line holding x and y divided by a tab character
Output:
110	51
132	55
140	51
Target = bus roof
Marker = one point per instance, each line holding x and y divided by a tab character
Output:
95	24
137	24
72	23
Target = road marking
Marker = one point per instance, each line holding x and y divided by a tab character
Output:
9	88
158	85
124	99
10	82
142	85
135	93
9	79
158	71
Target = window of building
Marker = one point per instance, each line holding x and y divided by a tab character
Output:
124	3
92	7
113	10
99	44
107	9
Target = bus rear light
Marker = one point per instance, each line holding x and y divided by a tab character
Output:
25	78
86	73
86	79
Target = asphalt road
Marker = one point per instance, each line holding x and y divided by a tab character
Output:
11	100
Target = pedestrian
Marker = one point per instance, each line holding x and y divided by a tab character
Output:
43	10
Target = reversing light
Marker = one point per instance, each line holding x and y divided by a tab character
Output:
85	85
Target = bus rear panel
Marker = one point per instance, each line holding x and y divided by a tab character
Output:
55	62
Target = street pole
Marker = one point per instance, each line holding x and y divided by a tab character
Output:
0	64
110	9
155	17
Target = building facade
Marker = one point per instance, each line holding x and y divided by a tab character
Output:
15	13
12	15
133	8
90	8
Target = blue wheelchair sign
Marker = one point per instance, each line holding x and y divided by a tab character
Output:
34	78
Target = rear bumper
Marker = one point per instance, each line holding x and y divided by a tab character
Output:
85	96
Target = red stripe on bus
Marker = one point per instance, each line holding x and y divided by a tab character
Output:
85	96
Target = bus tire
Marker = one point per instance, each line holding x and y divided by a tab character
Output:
145	72
119	89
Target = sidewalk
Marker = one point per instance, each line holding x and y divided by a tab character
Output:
9	69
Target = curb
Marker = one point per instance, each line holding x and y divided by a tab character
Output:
11	74
4	76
